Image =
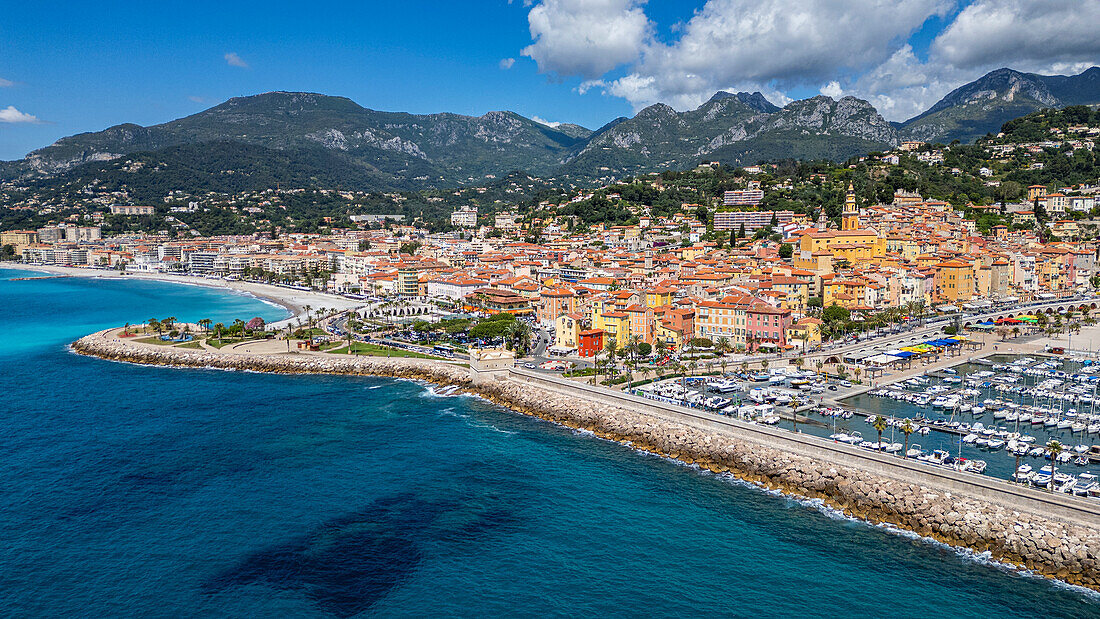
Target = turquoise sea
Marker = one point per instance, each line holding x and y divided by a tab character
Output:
141	491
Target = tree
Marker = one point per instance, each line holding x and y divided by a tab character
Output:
611	347
218	328
906	429
834	314
155	325
723	344
1055	448
205	324
879	424
786	250
794	414
644	348
518	337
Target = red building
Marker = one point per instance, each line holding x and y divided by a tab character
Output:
590	342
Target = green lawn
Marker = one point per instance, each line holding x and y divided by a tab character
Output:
374	350
229	341
191	344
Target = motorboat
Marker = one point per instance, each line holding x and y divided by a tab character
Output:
975	466
1043	478
1086	482
914	451
1064	483
938	456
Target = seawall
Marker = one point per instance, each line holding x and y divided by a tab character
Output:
1053	535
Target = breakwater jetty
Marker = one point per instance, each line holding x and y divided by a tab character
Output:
1053	535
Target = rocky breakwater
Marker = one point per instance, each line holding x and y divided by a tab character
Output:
106	345
1047	546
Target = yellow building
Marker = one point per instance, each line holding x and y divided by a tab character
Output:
954	281
567	328
19	239
847	293
805	333
615	324
656	297
849	218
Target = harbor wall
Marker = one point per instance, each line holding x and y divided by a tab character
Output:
1053	535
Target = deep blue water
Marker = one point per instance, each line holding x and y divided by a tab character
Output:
129	490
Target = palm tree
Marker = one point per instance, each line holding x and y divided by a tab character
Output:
797	362
155	325
611	347
309	320
218	327
723	345
856	370
764	364
518	336
879	424
168	322
745	367
205	324
819	364
794	414
1055	448
661	346
906	429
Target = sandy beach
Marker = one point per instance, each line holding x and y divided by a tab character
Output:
293	300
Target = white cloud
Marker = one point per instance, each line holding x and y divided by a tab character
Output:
832	89
853	47
1041	36
747	44
586	37
12	115
234	60
1028	34
549	123
506	63
6	83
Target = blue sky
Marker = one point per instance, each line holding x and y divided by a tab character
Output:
67	68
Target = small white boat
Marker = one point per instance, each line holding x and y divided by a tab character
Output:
1086	483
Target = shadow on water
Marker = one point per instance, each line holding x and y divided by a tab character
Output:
348	564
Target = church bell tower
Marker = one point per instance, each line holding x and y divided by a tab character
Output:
850	216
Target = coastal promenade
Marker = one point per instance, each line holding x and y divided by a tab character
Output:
1054	535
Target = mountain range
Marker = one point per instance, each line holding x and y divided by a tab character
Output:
255	141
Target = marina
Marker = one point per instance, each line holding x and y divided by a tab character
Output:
1033	419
